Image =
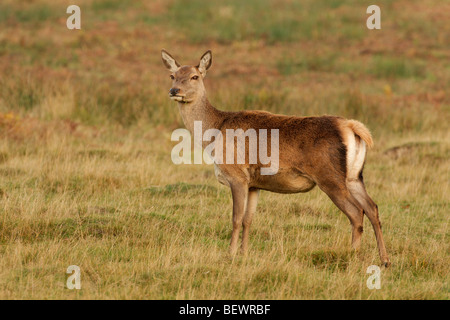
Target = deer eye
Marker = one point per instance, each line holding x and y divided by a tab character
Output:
194	78
172	77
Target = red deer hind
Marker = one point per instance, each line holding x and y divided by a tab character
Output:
326	151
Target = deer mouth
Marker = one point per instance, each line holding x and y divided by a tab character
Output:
178	97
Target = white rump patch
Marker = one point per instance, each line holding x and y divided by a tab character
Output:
356	154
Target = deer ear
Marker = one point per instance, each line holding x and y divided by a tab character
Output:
205	62
169	61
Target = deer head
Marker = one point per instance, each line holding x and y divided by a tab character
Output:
187	81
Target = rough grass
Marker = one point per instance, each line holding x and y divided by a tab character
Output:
86	175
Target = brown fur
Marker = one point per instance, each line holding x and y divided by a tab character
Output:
327	151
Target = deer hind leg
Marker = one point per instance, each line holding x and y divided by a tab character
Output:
358	191
239	192
252	201
344	200
356	154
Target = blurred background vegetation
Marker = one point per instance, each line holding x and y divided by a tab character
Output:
295	57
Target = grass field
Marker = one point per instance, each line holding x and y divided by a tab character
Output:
86	176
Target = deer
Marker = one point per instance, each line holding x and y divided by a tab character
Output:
327	151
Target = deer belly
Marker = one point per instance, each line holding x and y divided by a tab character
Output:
285	182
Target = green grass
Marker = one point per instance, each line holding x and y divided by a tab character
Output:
236	21
386	67
302	63
33	13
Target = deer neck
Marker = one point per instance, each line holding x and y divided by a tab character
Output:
201	110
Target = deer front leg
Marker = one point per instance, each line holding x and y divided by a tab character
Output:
239	192
252	201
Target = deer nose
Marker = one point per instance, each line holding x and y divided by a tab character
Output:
174	91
